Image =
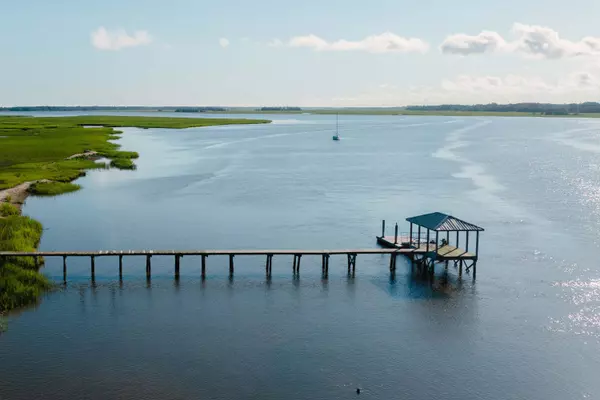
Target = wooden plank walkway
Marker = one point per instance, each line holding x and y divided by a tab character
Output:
446	252
101	253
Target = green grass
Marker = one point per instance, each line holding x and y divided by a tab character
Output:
21	284
122	163
52	188
36	148
8	210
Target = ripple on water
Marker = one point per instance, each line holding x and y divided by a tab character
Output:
585	294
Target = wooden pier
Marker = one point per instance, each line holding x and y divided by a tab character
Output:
418	246
351	257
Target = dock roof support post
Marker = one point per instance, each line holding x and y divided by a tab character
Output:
410	238
457	238
437	236
467	242
418	236
428	240
477	245
447	237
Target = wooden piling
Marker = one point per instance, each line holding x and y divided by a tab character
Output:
148	266
65	268
383	228
177	259
298	264
93	265
396	234
120	266
231	267
204	265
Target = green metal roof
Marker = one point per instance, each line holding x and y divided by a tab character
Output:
438	221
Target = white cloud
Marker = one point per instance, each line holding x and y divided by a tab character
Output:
275	43
468	89
532	40
384	43
103	39
465	44
224	42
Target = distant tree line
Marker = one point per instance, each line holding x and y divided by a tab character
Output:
200	109
279	109
536	108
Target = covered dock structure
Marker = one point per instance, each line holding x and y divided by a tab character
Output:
436	237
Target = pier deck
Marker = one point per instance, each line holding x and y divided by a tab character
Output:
444	253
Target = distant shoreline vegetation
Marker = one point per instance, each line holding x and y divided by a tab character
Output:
586	109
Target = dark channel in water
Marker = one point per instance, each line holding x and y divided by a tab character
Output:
528	328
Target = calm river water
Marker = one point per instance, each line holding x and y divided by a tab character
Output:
528	328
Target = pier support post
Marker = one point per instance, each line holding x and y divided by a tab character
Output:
203	266
474	269
65	269
396	234
428	240
148	266
93	265
393	261
325	267
177	261
351	263
231	268
296	267
120	266
410	235
269	265
460	267
383	229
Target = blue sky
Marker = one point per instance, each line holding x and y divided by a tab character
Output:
320	53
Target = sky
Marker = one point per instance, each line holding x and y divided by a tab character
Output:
308	53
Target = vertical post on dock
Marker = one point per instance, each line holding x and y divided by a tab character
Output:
231	264
477	245
474	269
93	262
427	240
298	264
148	266
418	236
120	266
437	236
65	269
410	238
177	260
460	268
396	234
268	265
383	229
203	265
467	242
457	238
447	237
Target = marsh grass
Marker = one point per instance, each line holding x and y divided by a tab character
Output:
8	210
52	188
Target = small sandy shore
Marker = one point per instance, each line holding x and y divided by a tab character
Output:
18	194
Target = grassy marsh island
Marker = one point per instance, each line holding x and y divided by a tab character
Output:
41	156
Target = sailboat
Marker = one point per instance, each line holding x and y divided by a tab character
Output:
336	137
